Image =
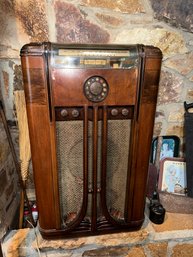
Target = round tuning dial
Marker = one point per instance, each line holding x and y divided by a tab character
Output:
96	89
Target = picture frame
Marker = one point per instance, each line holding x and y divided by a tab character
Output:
172	176
169	147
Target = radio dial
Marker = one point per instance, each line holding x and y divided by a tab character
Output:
96	89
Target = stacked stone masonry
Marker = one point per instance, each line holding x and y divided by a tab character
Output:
96	21
167	24
166	240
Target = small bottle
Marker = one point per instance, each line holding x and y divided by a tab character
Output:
34	212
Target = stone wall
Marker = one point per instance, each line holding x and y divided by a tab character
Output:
167	24
9	192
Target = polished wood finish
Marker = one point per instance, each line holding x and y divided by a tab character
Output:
145	123
75	78
49	91
94	178
38	111
59	117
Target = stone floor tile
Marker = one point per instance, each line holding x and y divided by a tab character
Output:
12	244
183	250
67	244
100	240
175	221
157	249
121	251
122	238
56	254
136	251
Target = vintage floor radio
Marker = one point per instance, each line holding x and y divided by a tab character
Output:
91	113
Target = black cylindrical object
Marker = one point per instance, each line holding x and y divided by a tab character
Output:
188	129
157	213
156	210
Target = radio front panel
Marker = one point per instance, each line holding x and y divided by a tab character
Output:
94	75
94	86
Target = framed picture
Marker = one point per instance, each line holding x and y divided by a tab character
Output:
169	147
172	176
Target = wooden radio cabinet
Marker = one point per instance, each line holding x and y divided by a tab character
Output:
91	114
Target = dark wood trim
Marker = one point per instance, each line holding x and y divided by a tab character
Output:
79	222
54	234
132	158
68	113
55	175
104	162
85	160
94	173
134	144
108	217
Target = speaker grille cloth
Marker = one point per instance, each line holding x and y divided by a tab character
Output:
70	165
117	163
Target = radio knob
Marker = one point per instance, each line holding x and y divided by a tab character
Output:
96	88
125	112
114	112
64	113
75	113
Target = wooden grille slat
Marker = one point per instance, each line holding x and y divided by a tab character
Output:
85	158
94	181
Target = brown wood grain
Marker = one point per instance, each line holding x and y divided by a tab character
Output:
48	90
145	125
68	86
